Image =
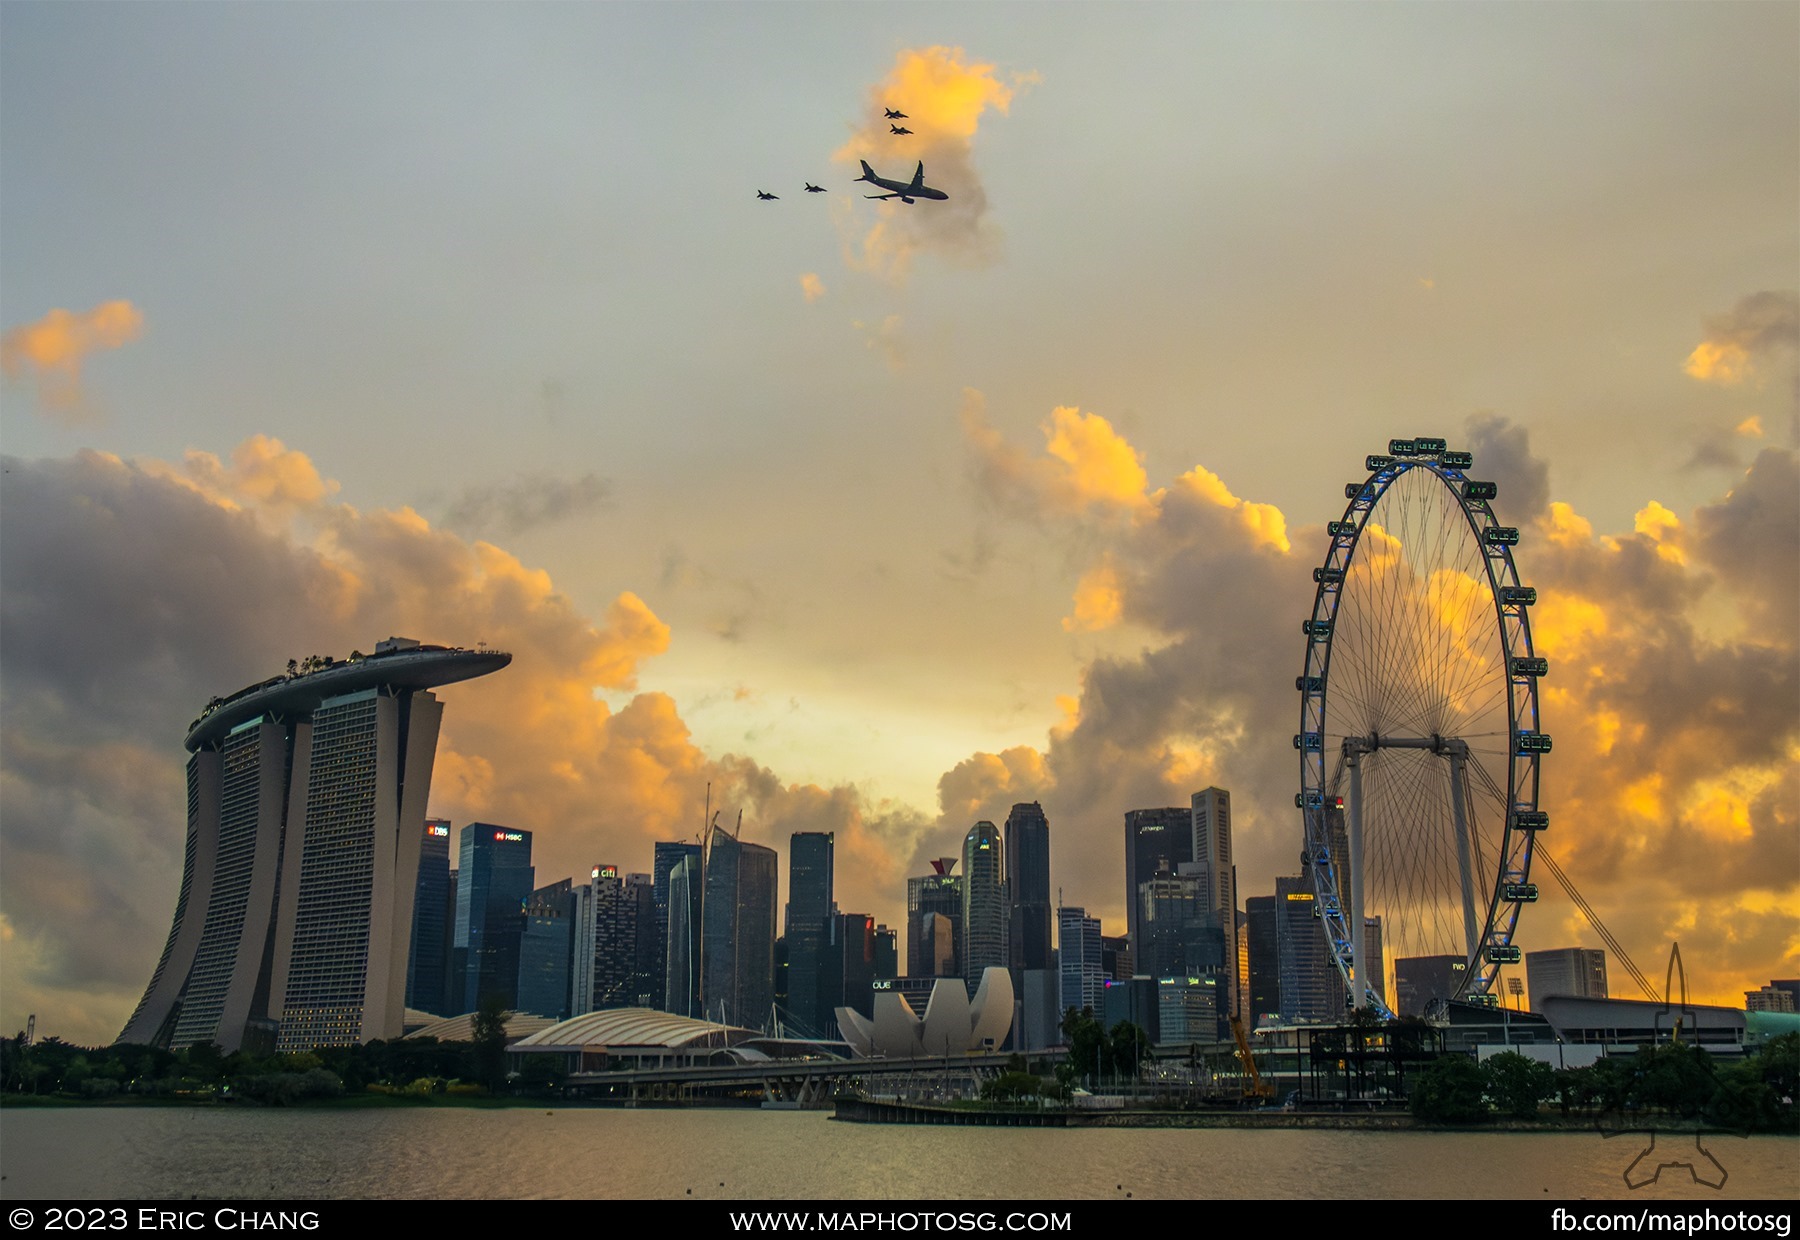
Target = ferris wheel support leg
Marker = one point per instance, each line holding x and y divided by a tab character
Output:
1353	915
1471	936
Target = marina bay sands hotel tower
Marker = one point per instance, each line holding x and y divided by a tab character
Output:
306	807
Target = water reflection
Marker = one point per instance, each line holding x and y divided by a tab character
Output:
167	1153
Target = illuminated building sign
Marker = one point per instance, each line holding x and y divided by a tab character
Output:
1299	895
510	837
606	871
437	829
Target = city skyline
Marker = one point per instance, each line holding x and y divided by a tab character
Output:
881	519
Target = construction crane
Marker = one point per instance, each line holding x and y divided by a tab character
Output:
1258	1088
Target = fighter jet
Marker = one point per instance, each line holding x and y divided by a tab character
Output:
892	115
898	129
903	190
814	189
766	197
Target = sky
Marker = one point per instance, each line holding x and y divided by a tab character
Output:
329	322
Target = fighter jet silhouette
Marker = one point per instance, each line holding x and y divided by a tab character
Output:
814	189
766	197
898	129
893	115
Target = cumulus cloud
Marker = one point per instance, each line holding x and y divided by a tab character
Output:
1503	455
944	95
1098	602
134	591
509	509
51	351
1677	749
1760	327
1086	465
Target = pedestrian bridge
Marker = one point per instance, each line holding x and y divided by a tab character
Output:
797	1083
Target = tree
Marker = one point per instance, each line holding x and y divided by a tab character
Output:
1011	1086
1451	1091
1674	1077
1778	1060
1086	1039
489	1043
1130	1047
1517	1084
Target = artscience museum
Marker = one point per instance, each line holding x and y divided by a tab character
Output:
953	1024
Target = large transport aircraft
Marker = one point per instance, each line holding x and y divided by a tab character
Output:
905	191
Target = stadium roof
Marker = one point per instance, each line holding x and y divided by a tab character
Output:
623	1027
462	1028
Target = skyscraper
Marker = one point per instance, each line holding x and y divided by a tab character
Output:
1210	816
428	961
546	951
1376	950
887	955
737	930
1210	819
1155	839
850	967
668	854
985	939
1180	937
1577	971
1262	929
1311	988
620	930
495	878
306	813
681	972
1421	981
1078	959
938	893
809	931
1028	887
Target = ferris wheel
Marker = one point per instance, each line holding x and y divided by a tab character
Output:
1419	740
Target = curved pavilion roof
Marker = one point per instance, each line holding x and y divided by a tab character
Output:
462	1028
645	1027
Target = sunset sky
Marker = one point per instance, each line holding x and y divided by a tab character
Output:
463	322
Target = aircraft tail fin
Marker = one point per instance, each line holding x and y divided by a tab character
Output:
868	172
918	181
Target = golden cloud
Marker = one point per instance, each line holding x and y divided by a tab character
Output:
944	95
1263	522
811	287
1759	326
1086	465
1718	362
51	352
1098	601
